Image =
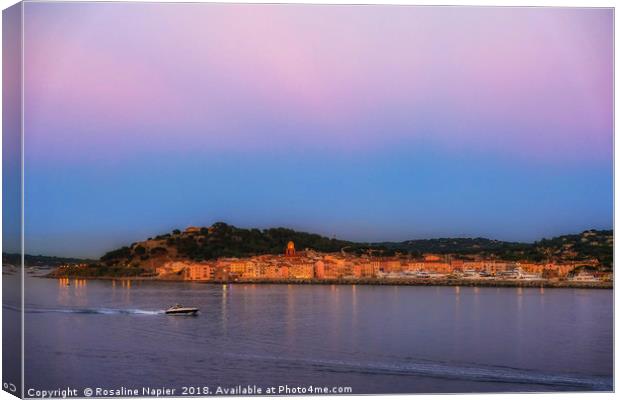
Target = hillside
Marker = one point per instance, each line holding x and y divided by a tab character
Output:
39	260
219	240
586	245
223	240
589	244
461	246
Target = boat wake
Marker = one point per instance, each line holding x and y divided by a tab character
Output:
104	311
471	372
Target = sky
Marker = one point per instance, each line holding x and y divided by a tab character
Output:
365	123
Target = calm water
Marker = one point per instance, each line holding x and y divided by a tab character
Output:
375	339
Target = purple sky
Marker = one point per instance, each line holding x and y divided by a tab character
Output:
363	122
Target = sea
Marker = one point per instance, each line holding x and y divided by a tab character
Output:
113	336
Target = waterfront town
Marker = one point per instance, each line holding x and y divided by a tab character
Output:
224	253
309	265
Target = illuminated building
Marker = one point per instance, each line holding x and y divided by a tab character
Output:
301	270
319	271
198	272
290	249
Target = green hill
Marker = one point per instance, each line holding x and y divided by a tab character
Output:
223	240
39	260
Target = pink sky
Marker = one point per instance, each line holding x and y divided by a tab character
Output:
363	122
531	82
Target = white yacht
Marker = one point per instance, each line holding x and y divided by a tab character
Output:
180	310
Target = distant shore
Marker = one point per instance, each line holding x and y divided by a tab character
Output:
375	282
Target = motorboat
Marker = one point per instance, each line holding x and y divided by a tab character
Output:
178	309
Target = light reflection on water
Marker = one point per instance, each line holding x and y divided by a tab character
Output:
373	338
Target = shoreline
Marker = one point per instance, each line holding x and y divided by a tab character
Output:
368	282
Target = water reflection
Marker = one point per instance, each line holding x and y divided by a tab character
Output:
126	291
335	315
224	313
63	291
72	292
354	306
79	288
457	297
372	336
291	317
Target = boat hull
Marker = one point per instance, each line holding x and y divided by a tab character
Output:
191	311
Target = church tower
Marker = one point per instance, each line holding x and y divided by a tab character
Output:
290	249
